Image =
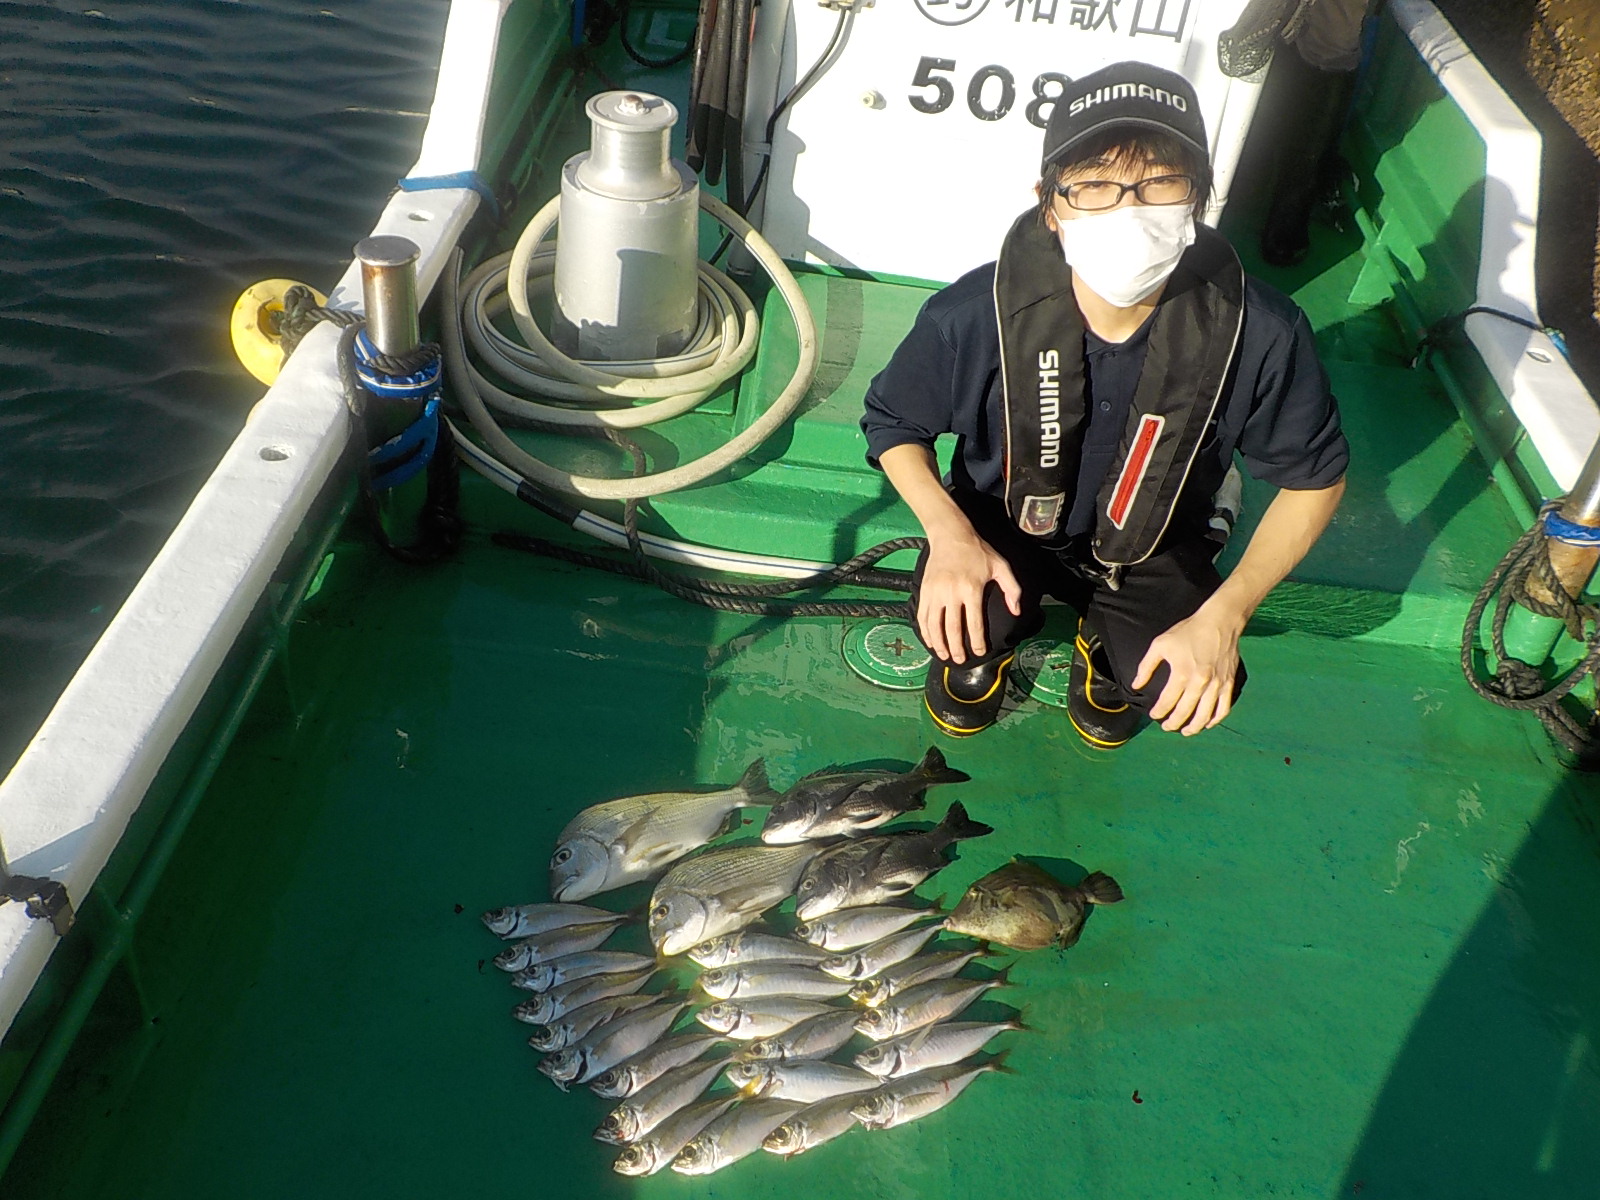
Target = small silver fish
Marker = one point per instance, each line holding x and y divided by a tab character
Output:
923	1005
879	956
770	979
919	1095
749	946
622	841
810	1080
720	891
880	868
541	977
610	1044
925	968
525	920
580	1022
831	803
732	1136
658	1148
749	1019
851	928
937	1045
812	1126
815	1037
635	1117
651	1063
553	944
557	1002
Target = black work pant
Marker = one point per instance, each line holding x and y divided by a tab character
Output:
1152	597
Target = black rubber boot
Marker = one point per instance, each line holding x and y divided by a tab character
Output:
964	700
1101	720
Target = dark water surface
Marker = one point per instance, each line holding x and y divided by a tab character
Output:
156	158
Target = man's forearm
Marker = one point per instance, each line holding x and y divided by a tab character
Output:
1289	528
913	471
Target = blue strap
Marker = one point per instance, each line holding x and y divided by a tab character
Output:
413	445
1563	530
470	180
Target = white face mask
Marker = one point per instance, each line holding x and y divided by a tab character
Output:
1127	253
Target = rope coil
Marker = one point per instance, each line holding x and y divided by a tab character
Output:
1519	685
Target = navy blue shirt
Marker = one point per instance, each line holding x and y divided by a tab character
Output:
1276	413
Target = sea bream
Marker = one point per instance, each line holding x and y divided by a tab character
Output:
852	928
813	1125
831	802
720	891
525	920
880	868
904	1100
623	841
931	1046
1023	906
658	1148
732	1136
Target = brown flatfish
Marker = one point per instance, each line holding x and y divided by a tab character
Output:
1025	907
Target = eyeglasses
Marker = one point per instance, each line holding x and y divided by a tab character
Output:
1093	195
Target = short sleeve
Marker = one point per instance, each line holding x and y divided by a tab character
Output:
911	400
1293	438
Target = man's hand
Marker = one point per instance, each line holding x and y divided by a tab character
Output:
1202	655
959	569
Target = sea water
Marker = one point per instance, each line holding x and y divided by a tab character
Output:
156	158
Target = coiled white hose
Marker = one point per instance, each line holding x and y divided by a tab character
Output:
723	344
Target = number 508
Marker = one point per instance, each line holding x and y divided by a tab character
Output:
944	92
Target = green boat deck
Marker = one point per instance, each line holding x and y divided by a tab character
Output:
1358	954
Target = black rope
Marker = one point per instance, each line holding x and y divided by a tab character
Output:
654	64
1519	685
1436	334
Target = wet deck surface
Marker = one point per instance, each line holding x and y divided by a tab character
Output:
1357	957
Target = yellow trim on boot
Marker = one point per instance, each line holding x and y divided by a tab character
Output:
948	729
1088	686
1097	743
999	678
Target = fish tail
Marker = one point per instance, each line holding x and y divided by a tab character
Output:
933	769
755	785
1003	979
957	826
1100	888
998	1063
1020	1024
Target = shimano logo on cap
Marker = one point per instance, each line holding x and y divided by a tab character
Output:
1128	91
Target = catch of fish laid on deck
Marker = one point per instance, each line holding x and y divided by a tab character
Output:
764	1061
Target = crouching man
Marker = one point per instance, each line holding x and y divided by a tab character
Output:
1100	378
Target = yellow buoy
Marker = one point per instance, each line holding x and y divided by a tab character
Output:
254	327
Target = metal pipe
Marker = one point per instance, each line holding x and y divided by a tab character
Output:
389	292
1573	565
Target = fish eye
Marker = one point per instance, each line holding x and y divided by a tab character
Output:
562	857
660	912
807	885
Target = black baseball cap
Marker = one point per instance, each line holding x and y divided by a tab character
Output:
1127	93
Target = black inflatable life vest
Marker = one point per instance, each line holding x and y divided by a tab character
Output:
1192	343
